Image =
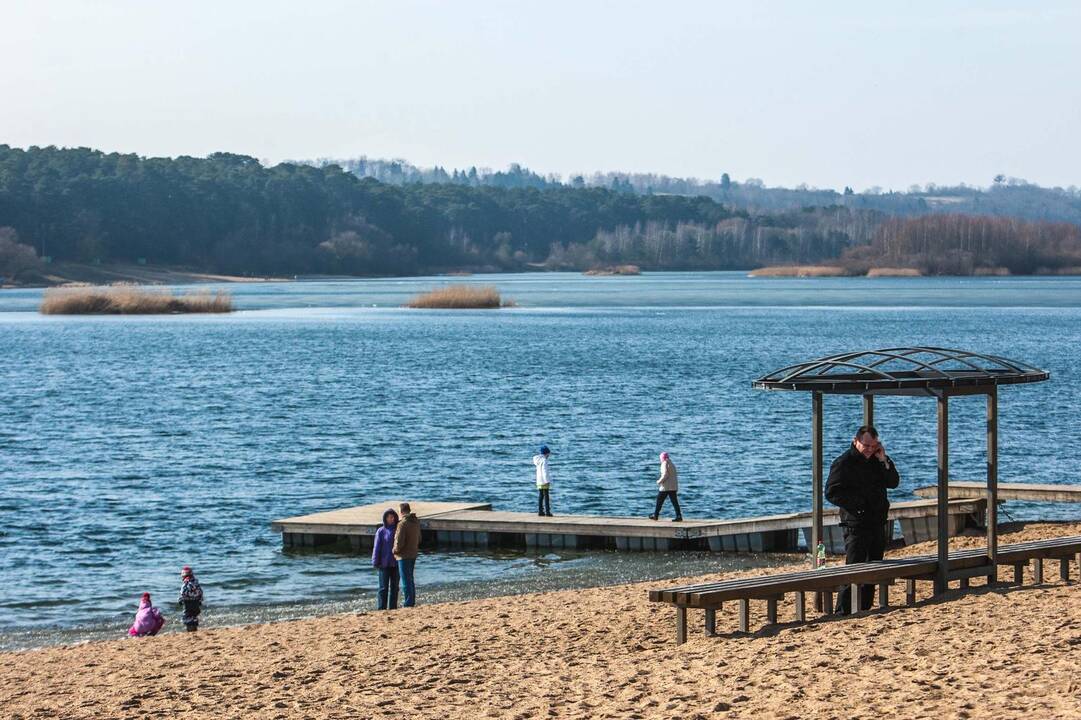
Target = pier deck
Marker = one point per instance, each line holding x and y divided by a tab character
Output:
1009	491
477	525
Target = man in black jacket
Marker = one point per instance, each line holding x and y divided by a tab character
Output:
857	484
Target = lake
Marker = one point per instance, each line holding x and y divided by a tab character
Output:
131	446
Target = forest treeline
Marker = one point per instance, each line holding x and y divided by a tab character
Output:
229	213
967	244
1005	196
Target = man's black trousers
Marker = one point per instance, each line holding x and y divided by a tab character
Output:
671	494
861	545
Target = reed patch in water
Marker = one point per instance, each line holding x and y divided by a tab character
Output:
132	301
460	297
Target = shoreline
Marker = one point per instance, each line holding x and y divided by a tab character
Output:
81	275
600	652
572	571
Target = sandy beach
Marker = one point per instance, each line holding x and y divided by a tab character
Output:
597	653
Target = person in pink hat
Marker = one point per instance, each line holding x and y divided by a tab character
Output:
148	620
667	487
191	598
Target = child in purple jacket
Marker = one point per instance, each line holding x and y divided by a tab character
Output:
384	562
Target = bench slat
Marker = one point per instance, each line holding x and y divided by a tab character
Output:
915	567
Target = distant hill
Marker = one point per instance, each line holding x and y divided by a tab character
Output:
1005	197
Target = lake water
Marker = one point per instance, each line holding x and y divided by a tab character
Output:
131	446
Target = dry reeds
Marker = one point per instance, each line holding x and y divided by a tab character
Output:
131	301
460	297
893	272
800	271
615	270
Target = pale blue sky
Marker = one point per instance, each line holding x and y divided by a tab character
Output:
857	93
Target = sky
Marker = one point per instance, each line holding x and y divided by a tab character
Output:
823	93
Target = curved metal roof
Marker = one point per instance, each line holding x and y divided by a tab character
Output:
902	371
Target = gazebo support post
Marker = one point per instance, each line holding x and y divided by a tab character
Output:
942	573
992	484
816	483
868	409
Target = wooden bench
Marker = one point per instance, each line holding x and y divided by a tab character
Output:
963	565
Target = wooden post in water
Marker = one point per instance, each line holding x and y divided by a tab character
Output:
942	573
992	484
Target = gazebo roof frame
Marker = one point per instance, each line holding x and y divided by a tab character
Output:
923	370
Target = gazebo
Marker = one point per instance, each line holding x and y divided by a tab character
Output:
919	372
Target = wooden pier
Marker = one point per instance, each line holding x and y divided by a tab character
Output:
447	524
1009	491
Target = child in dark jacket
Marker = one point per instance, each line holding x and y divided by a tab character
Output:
191	599
383	561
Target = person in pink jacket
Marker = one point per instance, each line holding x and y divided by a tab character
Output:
148	620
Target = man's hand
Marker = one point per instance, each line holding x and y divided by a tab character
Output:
880	453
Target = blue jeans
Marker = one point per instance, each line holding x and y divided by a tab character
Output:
409	589
387	599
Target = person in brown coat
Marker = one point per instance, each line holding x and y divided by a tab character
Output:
406	548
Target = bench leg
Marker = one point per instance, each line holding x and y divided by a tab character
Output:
819	602
801	608
854	599
910	592
744	615
827	602
711	622
1019	573
884	595
964	583
681	625
771	611
1079	567
1064	569
1037	570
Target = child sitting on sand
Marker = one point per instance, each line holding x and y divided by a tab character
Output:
148	620
191	598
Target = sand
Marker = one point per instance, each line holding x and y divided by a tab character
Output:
598	653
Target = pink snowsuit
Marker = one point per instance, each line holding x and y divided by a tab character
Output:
147	621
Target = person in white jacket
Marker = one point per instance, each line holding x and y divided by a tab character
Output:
667	487
544	482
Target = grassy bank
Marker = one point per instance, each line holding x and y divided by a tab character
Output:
131	301
460	297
